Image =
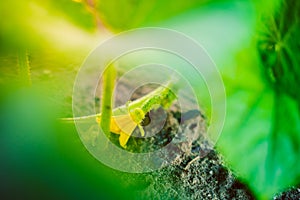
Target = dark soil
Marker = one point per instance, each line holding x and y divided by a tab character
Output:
196	171
293	193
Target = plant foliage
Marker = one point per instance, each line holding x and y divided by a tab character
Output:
261	139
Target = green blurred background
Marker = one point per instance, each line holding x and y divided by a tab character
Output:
42	158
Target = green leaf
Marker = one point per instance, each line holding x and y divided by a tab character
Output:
261	140
261	136
278	47
79	13
122	15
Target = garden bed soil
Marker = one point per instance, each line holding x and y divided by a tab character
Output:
197	171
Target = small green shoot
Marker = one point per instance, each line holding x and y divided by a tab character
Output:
124	119
24	67
106	105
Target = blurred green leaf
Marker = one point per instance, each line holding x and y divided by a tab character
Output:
279	47
77	12
122	15
57	25
44	159
261	140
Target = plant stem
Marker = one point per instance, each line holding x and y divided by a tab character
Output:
24	67
107	94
